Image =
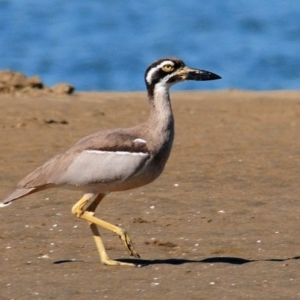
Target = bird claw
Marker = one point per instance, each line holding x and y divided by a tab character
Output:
128	243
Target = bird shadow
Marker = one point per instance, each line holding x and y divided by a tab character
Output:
180	261
210	260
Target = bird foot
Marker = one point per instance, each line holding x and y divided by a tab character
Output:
89	216
127	242
111	262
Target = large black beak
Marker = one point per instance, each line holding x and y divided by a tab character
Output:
194	74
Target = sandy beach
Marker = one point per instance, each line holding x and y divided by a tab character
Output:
222	222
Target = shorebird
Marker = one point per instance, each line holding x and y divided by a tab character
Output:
117	159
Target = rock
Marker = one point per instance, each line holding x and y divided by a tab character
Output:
63	88
35	82
17	84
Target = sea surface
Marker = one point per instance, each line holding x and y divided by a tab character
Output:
107	44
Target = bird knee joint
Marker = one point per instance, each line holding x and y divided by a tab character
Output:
77	211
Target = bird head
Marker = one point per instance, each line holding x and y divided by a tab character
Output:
168	71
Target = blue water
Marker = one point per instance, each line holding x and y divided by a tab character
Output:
106	44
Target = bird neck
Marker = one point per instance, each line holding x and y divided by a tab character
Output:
161	122
161	114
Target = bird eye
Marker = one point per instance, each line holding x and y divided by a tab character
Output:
168	68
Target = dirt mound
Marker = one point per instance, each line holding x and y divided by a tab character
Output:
16	83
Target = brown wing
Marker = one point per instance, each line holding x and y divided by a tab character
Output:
112	140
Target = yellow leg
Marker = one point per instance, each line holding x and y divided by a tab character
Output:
88	215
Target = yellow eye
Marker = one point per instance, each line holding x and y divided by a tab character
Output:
168	68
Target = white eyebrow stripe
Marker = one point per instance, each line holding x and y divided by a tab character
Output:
140	141
117	152
153	70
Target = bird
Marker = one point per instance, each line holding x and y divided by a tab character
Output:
116	159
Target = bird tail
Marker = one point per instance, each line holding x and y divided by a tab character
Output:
18	193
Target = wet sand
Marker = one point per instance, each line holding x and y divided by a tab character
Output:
222	222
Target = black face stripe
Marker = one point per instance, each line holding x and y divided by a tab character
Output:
157	76
174	79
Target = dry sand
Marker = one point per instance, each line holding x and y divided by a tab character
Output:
222	222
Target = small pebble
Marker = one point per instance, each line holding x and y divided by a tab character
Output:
154	283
